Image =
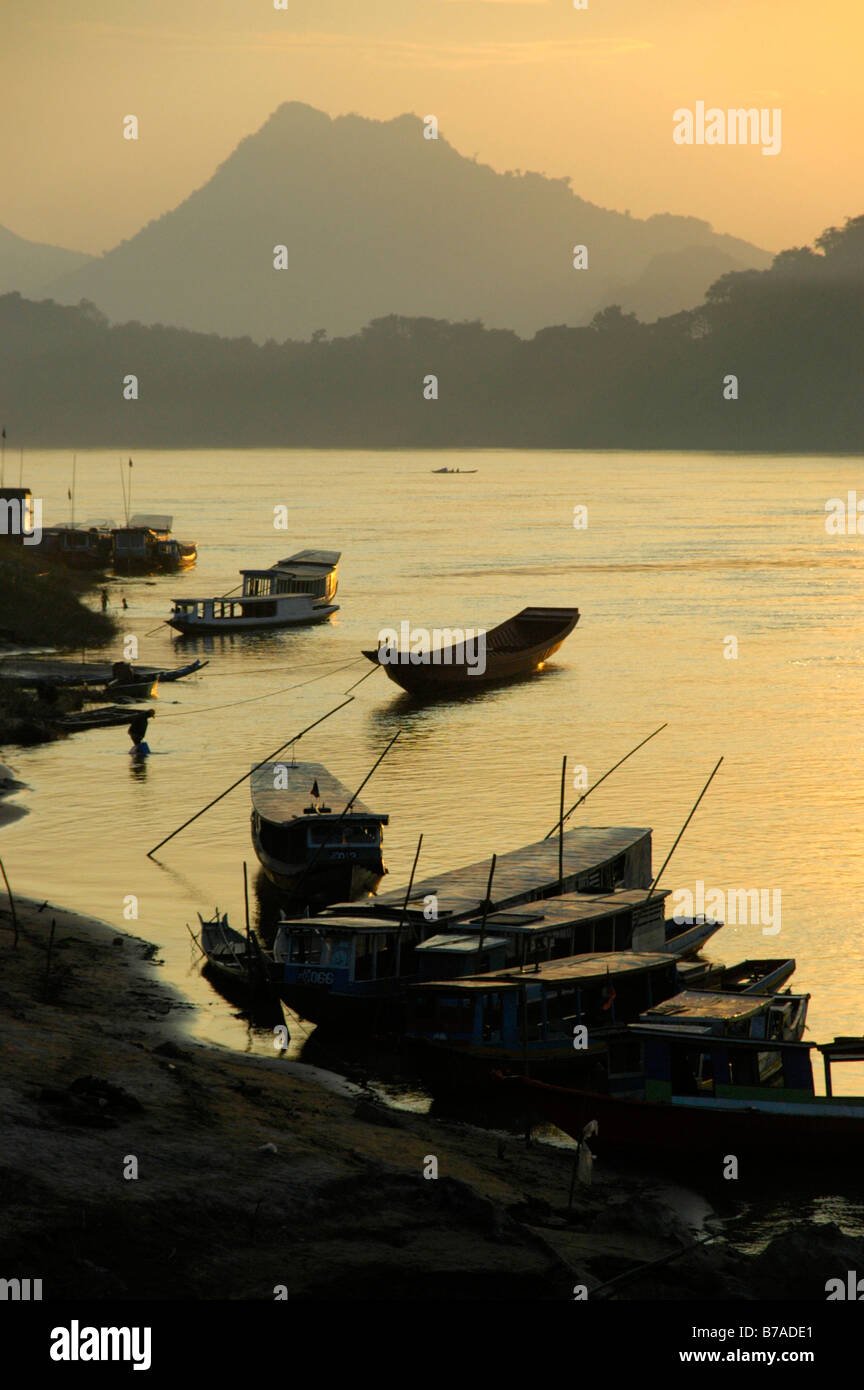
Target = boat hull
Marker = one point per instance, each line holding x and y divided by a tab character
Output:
702	1126
342	875
194	625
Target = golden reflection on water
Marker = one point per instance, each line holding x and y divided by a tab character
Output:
681	552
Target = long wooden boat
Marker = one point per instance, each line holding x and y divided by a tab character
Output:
686	1095
747	977
307	841
514	648
102	717
295	592
87	545
146	546
532	1016
71	675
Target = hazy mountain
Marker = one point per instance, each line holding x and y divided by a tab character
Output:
27	266
378	220
792	339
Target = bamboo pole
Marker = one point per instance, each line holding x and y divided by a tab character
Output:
11	905
486	902
596	784
410	885
268	759
561	828
684	827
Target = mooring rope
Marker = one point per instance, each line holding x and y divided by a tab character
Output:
249	700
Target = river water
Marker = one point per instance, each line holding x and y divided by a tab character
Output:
681	553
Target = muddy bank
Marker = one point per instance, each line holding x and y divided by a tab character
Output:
251	1178
42	604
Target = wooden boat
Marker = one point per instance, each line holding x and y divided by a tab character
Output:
86	545
687	1095
147	546
530	1017
353	963
136	682
748	977
231	954
454	470
514	648
294	592
241	971
104	717
307	841
595	860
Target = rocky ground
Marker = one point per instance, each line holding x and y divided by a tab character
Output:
252	1178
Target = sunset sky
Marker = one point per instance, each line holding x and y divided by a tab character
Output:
527	84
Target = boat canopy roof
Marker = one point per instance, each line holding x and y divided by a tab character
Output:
451	944
572	970
520	875
695	1006
566	908
336	926
153	521
283	791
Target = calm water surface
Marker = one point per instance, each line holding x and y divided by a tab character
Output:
681	552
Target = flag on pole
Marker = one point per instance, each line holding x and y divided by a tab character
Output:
315	792
609	992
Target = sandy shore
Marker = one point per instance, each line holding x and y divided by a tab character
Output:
252	1177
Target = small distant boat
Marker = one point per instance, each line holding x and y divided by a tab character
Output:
516	647
454	470
306	839
104	717
146	546
292	593
138	682
86	545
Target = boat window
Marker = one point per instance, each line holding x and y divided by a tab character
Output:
337	951
758	1027
744	1068
363	959
258	609
386	964
348	833
492	1016
455	1017
305	947
689	1071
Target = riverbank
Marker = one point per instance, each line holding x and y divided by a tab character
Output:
43	605
251	1177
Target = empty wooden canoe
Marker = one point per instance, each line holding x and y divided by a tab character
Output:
514	648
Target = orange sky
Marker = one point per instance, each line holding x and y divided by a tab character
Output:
529	84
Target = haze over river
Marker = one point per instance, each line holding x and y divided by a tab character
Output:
681	552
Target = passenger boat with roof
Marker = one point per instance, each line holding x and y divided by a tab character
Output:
146	546
354	959
314	839
294	592
688	1093
562	1013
